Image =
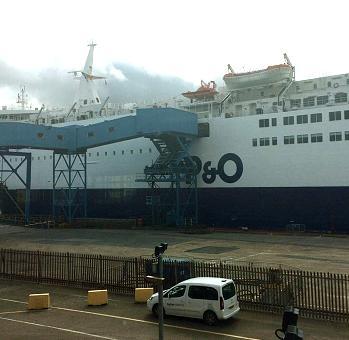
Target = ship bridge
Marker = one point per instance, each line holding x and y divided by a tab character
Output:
171	130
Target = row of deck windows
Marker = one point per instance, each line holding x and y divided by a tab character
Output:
301	139
304	119
340	97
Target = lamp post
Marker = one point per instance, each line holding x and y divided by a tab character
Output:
159	279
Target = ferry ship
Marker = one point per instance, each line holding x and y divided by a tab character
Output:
286	142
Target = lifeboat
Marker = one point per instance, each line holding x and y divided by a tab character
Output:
204	92
270	75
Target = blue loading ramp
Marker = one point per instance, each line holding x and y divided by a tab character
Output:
171	131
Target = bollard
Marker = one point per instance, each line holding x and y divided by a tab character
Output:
39	301
97	297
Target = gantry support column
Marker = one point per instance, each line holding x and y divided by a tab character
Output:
8	169
69	185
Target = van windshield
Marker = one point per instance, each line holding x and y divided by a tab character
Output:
228	291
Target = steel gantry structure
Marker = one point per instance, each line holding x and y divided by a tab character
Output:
171	131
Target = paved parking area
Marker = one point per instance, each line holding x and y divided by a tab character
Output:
71	318
305	251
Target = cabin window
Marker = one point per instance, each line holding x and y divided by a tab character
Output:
329	84
259	111
97	154
302	119
254	142
140	150
262	93
340	97
288	139
264	141
97	99
85	101
123	152
274	140
322	100
335	115
316	138
273	122
131	151
150	150
302	139
295	103
316	118
263	123
346	114
289	120
114	152
105	153
335	136
346	135
315	86
309	101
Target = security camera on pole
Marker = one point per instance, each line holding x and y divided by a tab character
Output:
159	279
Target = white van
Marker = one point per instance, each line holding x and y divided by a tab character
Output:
207	298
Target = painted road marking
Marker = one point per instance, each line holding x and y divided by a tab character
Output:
58	328
145	322
14	312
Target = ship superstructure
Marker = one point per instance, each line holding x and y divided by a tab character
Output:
275	150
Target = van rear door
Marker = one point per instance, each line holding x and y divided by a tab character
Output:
229	296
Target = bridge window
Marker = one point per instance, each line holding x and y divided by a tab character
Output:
316	138
123	152
97	99
114	152
346	135
346	114
150	150
340	97
254	142
97	154
309	101
335	115
322	100
106	153
295	103
335	136
140	150
329	84
44	158
273	122
85	101
274	140
38	158
131	152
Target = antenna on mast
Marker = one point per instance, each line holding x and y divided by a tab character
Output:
22	97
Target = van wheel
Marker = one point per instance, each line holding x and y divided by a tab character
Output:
210	318
156	310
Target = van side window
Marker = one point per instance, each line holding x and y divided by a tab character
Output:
228	291
203	293
177	292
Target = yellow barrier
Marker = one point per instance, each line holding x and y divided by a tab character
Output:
143	294
97	297
39	301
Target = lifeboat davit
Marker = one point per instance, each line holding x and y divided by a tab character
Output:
270	75
204	92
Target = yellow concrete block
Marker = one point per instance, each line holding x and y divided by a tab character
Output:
39	301
97	297
143	294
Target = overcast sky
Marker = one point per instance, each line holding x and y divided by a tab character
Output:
190	40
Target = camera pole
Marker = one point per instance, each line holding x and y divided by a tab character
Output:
161	300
